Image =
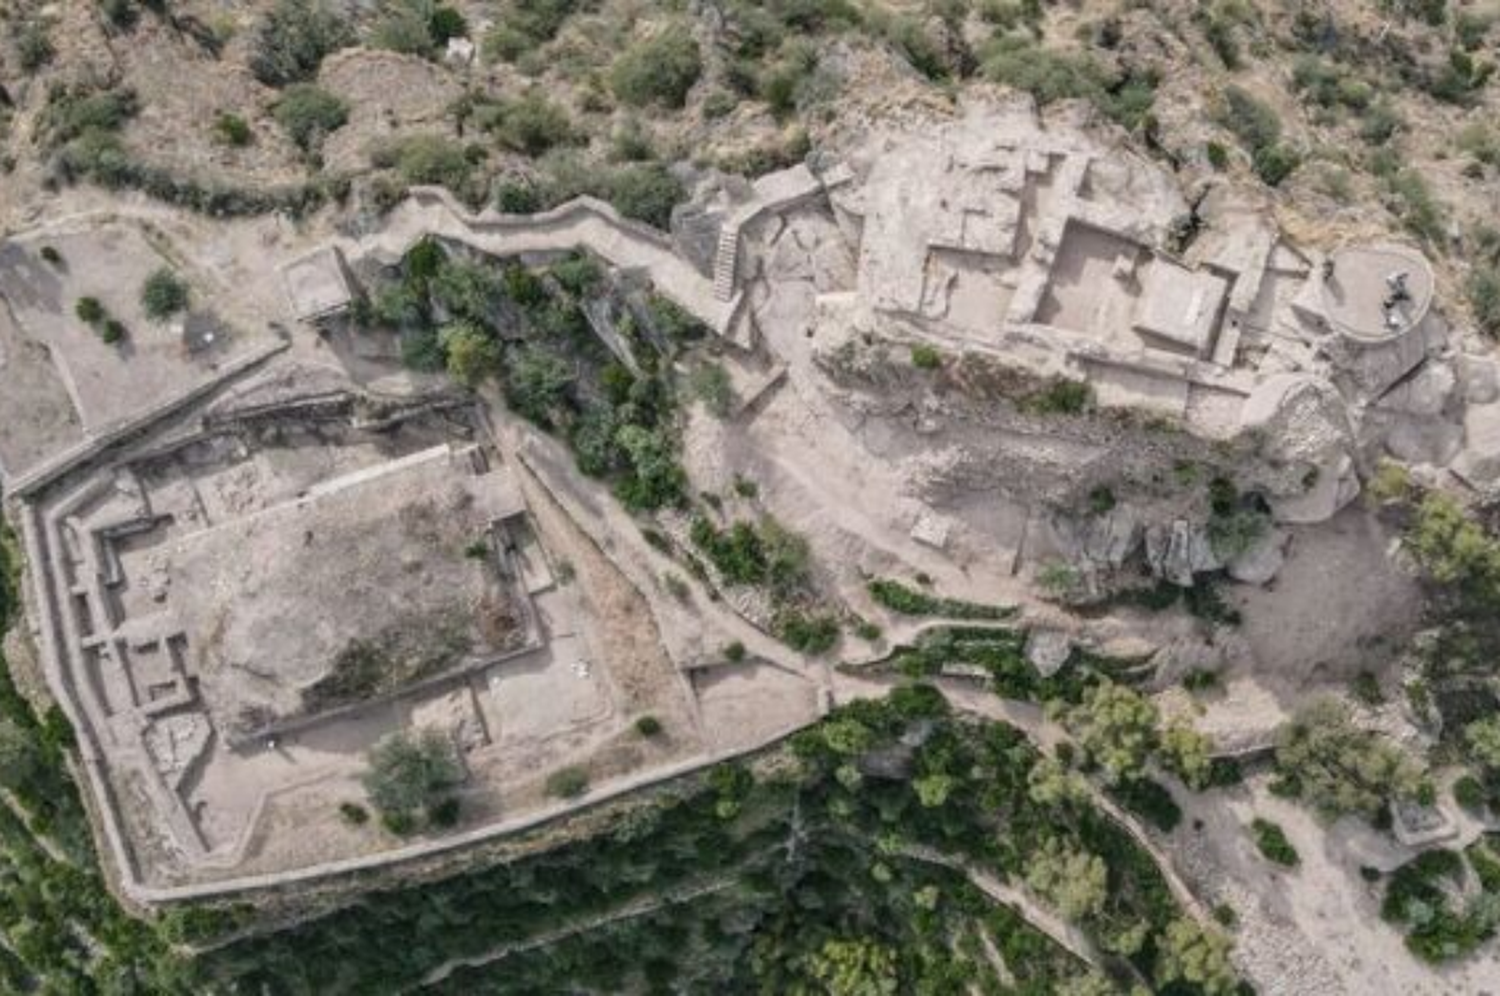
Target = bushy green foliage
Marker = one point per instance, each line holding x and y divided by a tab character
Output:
405	26
1258	128
810	634
909	601
1196	955
472	354
79	112
646	192
924	357
292	40
1339	768
1483	287
1050	75
409	774
1073	882
308	114
531	124
428	159
1454	550
1116	728
232	130
526	25
660	69
1149	800
33	42
1420	896
1273	843
164	294
1186	753
89	310
760	553
1460	79
1413	202
568	783
712	386
1060	397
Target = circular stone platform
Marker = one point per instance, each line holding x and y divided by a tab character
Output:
1356	292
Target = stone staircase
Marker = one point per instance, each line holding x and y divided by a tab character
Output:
726	260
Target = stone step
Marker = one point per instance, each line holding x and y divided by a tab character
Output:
726	259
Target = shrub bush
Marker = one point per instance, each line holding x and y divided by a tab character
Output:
908	601
34	47
658	70
1258	128
1061	397
89	310
163	295
531	125
530	23
416	27
308	114
411	773
925	357
1469	793
354	814
428	159
1273	843
232	130
568	783
1483	288
293	39
815	634
712	386
1150	801
648	726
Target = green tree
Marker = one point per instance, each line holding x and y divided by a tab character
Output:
292	40
1089	984
308	114
933	790
473	354
465	290
409	774
19	760
1075	883
405	26
1186	751
661	69
531	125
656	478
713	387
164	294
1116	727
1483	739
859	967
1338	767
1189	953
536	383
1050	783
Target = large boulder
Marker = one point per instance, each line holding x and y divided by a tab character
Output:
1303	427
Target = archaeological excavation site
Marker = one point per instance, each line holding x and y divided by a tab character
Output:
824	498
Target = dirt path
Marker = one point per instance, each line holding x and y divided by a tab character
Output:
1312	931
1034	913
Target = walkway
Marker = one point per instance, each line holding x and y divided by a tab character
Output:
1034	913
582	223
